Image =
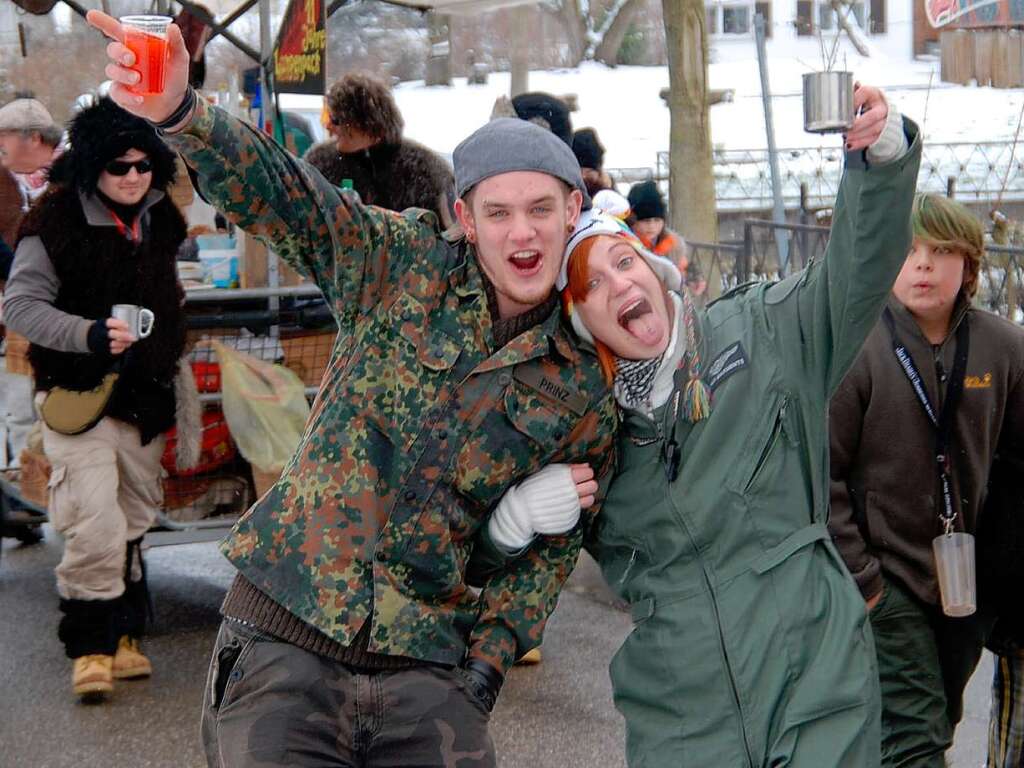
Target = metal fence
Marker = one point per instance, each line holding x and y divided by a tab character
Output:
971	171
756	257
290	326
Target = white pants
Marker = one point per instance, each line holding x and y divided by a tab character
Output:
16	415
105	490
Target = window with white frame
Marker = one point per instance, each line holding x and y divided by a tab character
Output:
730	18
855	12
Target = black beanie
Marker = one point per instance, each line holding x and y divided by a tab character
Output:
645	200
104	132
550	109
588	149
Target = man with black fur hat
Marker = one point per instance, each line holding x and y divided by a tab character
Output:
547	111
104	233
369	151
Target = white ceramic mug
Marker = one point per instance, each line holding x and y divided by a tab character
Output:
139	319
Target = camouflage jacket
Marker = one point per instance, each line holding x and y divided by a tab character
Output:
419	425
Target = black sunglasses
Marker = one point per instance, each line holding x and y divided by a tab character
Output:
122	167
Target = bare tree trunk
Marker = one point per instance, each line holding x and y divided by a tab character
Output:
693	207
520	52
607	50
570	17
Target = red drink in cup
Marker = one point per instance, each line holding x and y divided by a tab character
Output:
146	37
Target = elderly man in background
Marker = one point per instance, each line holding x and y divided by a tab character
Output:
29	142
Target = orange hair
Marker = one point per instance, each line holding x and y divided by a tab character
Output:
577	272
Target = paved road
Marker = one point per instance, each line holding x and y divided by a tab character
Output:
556	715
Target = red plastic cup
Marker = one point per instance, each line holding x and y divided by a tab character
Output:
146	37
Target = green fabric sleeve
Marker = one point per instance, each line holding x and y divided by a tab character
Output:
832	305
353	252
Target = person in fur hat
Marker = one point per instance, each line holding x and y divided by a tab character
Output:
589	152
547	111
368	149
104	233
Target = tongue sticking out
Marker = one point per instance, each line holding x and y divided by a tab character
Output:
640	321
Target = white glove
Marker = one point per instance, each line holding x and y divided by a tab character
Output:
892	144
546	502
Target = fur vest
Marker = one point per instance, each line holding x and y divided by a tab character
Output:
97	267
392	176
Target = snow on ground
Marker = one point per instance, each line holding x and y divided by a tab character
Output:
623	104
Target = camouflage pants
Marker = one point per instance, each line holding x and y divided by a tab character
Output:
269	703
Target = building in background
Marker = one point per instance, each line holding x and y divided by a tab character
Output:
794	26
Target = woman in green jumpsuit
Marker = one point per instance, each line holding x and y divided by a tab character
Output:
751	645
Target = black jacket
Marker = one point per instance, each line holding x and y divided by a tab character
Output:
97	267
1000	553
392	176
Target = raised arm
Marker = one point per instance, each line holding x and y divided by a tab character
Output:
820	316
329	236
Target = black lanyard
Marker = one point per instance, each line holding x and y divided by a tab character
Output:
942	423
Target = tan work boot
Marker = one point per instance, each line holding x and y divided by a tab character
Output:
530	658
91	676
129	661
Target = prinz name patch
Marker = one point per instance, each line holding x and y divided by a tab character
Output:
551	389
730	361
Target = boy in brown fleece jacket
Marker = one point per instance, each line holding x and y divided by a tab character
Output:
887	491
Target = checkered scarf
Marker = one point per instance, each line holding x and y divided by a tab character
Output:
634	380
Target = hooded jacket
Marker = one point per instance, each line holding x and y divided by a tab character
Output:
885	484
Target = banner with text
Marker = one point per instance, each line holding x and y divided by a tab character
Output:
300	57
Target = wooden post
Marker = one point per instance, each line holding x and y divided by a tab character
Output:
693	206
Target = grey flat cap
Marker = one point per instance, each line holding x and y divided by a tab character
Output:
509	144
24	115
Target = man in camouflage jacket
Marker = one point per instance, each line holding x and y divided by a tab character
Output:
350	635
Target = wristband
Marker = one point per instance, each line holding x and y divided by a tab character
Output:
98	338
184	109
485	679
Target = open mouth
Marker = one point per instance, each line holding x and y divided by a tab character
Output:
633	311
526	263
638	319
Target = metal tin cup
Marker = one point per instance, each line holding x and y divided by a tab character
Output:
954	565
139	319
828	102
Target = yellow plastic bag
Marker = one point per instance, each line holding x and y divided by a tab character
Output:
265	407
